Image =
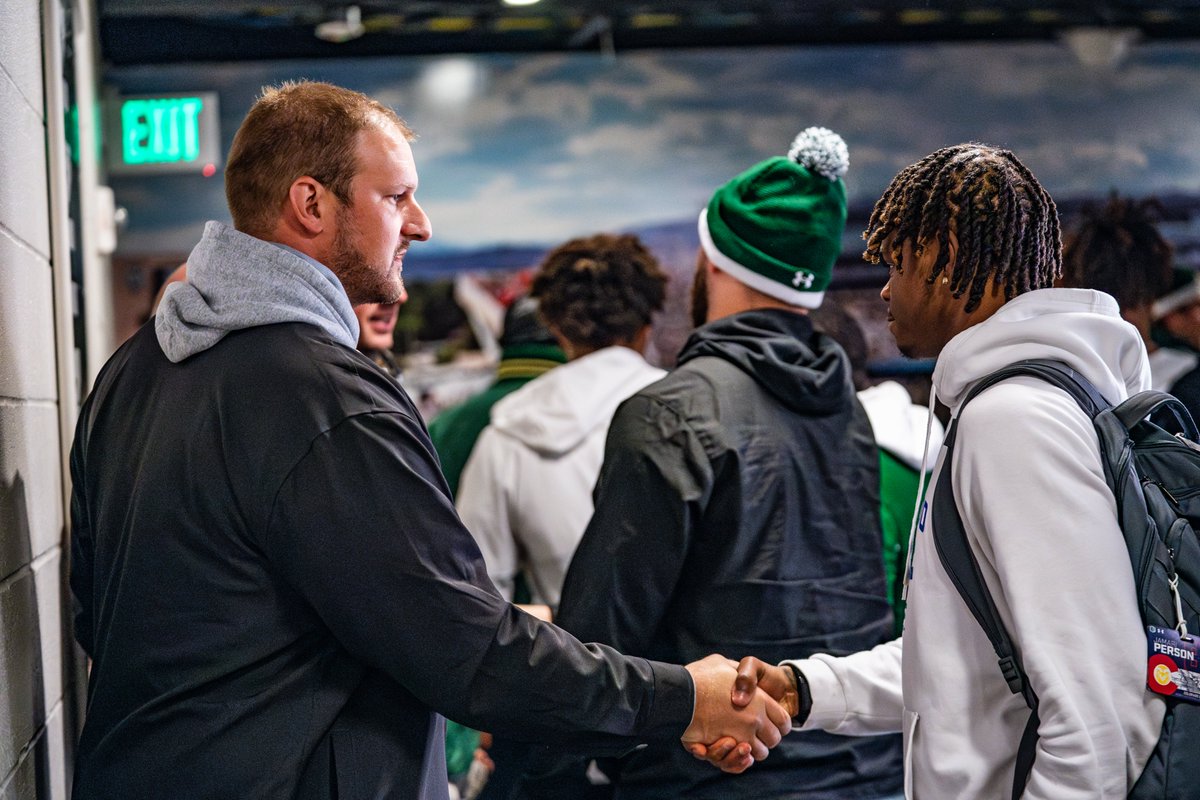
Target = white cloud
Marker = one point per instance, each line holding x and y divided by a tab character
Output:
578	201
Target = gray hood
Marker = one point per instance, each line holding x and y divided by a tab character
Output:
235	281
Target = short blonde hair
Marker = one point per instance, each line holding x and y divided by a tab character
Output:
296	129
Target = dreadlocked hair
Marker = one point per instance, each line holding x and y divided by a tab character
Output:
1004	222
1118	249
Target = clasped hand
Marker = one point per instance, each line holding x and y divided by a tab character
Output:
742	710
735	721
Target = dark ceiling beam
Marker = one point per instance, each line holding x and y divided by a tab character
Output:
237	30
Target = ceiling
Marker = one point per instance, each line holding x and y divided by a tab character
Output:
161	31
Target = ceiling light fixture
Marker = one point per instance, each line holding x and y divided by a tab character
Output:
1100	48
342	29
520	2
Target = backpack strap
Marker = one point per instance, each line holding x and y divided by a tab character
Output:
1144	404
960	563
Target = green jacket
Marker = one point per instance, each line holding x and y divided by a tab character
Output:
455	430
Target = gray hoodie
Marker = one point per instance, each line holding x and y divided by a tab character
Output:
236	281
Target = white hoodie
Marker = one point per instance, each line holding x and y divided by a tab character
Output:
1042	523
526	491
905	430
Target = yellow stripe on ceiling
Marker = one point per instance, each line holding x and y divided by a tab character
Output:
655	20
1159	16
450	24
507	24
921	16
383	22
1043	16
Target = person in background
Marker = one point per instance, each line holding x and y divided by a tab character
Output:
908	437
526	492
376	332
268	572
527	350
972	245
738	507
1117	248
1175	365
905	452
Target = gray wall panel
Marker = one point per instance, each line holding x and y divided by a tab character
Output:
24	204
21	51
22	710
26	322
24	782
34	731
31	516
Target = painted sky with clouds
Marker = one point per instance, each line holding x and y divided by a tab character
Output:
532	149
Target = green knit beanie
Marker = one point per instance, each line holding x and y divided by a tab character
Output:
778	226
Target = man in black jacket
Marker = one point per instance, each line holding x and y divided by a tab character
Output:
737	509
268	570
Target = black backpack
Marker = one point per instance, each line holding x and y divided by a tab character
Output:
1155	477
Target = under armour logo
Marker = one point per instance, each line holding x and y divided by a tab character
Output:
803	279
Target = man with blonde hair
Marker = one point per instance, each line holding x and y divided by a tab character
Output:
268	570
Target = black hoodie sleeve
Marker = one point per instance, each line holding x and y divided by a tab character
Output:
363	528
653	488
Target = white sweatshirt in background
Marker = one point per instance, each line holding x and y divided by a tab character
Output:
526	491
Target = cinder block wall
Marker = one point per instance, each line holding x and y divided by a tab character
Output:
32	761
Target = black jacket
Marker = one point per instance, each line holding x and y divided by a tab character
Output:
276	591
738	513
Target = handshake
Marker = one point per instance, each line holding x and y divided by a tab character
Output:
741	712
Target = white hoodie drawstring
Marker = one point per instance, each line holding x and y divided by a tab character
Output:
912	528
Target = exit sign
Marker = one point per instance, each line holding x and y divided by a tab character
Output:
164	133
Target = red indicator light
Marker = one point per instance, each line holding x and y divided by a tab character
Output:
209	170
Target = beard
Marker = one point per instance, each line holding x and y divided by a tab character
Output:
700	292
363	281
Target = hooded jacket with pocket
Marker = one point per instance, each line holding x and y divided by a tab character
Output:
737	512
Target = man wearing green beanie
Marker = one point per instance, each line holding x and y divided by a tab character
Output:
738	507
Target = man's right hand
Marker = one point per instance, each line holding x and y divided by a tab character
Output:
779	682
758	721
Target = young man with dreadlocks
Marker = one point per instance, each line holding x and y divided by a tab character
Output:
972	245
